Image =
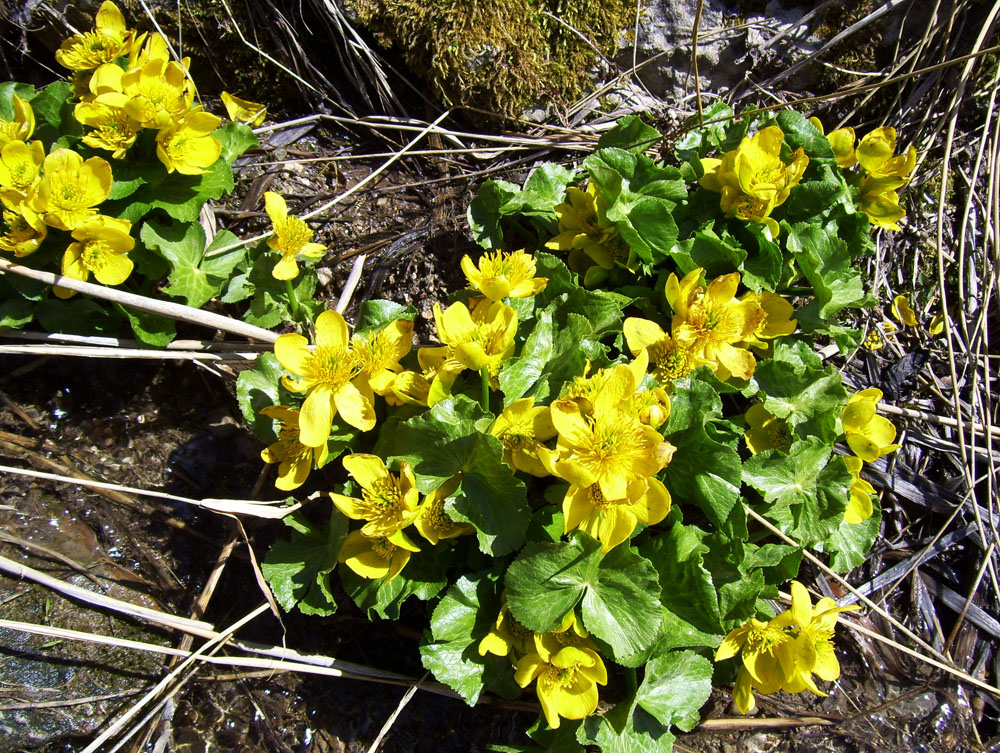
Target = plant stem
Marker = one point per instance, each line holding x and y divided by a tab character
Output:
293	301
484	400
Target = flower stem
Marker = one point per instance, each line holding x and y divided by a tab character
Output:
293	300
484	399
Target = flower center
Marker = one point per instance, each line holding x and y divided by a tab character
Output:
669	361
560	677
293	234
597	497
374	353
764	639
438	519
333	366
96	255
381	499
383	548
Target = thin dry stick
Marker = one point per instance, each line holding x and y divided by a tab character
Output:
272	510
694	61
411	691
941	420
143	303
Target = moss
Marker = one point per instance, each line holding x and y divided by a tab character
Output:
501	56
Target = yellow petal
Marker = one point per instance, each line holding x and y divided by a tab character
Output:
292	352
354	407
331	330
316	416
902	312
368	470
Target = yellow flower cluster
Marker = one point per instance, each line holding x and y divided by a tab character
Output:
884	171
564	664
710	327
784	653
389	504
60	190
753	178
126	83
870	436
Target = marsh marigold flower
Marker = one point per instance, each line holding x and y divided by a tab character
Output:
376	557
903	312
507	637
753	179
21	127
521	427
859	507
869	435
612	521
329	375
667	359
608	447
388	503
766	431
20	165
566	679
292	237
25	231
112	128
501	275
711	322
378	354
159	93
70	189
109	40
583	224
482	338
433	521
777	320
295	460
101	248
188	146
243	110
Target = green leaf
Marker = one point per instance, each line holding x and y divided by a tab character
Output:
298	571
484	212
627	728
806	490
258	388
150	329
703	470
617	593
121	189
376	314
543	190
675	687
422	577
180	196
460	620
193	277
799	132
7	91
76	316
798	388
15	310
444	442
235	139
686	587
826	263
850	543
699	142
550	357
49	105
631	134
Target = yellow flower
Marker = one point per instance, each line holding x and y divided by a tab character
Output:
70	189
25	231
842	142
294	459
869	435
159	93
878	200
813	646
710	323
521	428
608	447
19	169
378	354
113	129
566	680
243	110
433	521
902	311
109	40
155	48
482	338
767	652
379	557
765	431
507	636
501	275
612	521
777	320
859	507
877	157
328	373
753	179
21	127
667	359
936	326
388	503
102	246
188	145
291	237
584	225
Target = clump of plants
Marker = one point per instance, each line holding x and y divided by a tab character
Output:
499	57
602	476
